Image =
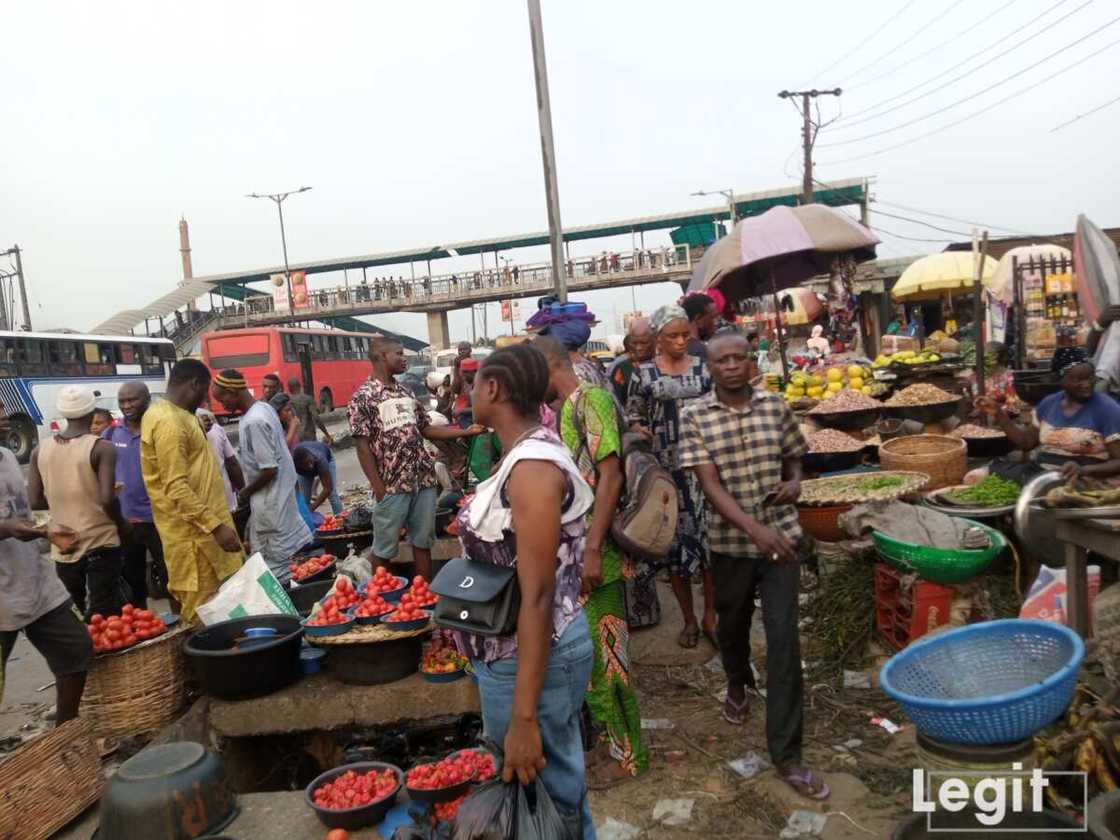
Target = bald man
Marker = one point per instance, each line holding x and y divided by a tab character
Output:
638	345
142	538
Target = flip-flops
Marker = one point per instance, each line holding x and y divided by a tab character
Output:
806	782
736	713
689	637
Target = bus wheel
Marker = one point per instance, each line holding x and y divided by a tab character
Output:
21	438
326	401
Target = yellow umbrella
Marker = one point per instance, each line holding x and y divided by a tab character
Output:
950	271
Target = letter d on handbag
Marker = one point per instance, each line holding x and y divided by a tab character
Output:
480	598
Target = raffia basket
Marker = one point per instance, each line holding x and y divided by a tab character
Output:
943	459
138	691
48	781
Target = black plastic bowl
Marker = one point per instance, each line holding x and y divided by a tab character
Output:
326	573
444	794
929	413
823	462
988	447
306	595
845	419
1029	824
363	816
230	674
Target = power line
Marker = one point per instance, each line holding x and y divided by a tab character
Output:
956	66
923	224
909	39
1086	114
969	98
970	28
868	38
952	218
975	114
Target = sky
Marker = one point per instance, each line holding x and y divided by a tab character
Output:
416	122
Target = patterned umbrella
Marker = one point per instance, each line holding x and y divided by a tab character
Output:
779	249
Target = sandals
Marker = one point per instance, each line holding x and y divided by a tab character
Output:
689	637
736	713
806	782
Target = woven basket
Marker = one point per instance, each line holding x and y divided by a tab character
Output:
138	691
48	781
944	459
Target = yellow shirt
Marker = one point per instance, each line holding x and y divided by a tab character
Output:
184	483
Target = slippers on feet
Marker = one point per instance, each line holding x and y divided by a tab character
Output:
689	637
806	782
736	713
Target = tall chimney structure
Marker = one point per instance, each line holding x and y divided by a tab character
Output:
185	249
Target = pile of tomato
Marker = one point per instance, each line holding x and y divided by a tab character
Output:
382	581
118	632
310	566
372	606
485	767
448	811
407	610
445	773
333	523
423	595
332	609
353	790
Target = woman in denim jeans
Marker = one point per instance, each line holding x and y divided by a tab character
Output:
530	514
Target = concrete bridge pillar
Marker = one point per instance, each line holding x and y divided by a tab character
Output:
438	335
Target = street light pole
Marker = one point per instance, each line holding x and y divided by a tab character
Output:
727	194
278	200
548	151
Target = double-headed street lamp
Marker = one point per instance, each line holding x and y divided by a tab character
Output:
278	199
728	194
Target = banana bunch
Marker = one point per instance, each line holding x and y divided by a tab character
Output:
1089	741
1083	493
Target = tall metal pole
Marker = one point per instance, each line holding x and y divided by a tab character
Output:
22	289
548	151
284	245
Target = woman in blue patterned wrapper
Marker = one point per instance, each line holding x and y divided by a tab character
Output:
659	391
531	514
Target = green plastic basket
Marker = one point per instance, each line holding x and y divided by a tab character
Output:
941	565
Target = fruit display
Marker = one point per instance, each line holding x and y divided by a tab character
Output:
971	430
332	609
311	566
447	811
372	606
906	357
830	440
422	594
825	385
485	767
355	790
446	773
407	610
442	660
118	632
383	581
333	522
846	400
920	393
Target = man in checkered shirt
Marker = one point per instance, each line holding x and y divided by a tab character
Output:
745	448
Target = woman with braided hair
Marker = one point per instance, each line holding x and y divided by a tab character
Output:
531	515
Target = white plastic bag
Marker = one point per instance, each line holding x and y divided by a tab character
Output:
356	567
1047	597
251	590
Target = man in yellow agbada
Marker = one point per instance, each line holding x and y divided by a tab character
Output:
183	480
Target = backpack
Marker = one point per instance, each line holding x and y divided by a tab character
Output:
646	520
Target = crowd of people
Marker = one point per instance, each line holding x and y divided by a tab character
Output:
166	482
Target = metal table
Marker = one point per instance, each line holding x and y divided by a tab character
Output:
1102	537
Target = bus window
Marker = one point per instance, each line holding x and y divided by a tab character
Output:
332	347
166	352
149	360
127	355
99	359
63	358
288	343
8	357
29	356
318	349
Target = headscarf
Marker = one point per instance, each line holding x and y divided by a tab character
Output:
664	314
572	333
280	401
1068	357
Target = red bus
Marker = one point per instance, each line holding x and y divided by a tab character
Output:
339	361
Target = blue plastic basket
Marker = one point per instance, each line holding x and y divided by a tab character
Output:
989	683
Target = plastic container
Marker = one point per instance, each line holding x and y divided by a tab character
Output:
231	674
941	565
306	595
412	624
448	677
354	818
822	523
393	596
327	629
375	664
991	683
901	617
311	660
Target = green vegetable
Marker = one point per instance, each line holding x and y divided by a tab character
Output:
880	482
992	491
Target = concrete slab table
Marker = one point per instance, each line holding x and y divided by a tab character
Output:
1100	536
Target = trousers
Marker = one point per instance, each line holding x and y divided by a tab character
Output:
98	574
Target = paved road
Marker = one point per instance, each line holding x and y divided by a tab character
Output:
23	704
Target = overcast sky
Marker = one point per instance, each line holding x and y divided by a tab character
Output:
416	123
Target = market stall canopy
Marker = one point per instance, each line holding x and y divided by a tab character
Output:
779	249
932	276
1002	285
1096	269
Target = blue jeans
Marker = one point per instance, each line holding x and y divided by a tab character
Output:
558	712
307	487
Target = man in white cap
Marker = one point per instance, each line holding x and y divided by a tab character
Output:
73	474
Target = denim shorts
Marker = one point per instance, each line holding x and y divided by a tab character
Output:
415	511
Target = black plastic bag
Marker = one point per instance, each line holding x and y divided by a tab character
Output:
487	814
538	816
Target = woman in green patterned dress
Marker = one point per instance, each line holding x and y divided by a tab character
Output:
589	421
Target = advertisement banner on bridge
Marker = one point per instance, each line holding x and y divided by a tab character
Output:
280	291
511	310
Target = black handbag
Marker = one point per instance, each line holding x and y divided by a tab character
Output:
476	597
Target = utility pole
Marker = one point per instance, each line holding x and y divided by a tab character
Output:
808	135
278	200
548	151
14	253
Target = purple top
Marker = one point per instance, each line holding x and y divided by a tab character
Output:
135	504
569	572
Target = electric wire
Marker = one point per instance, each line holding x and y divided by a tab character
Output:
962	76
1086	114
868	39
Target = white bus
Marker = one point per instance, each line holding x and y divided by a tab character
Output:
34	366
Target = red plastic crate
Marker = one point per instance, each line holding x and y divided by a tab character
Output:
901	617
